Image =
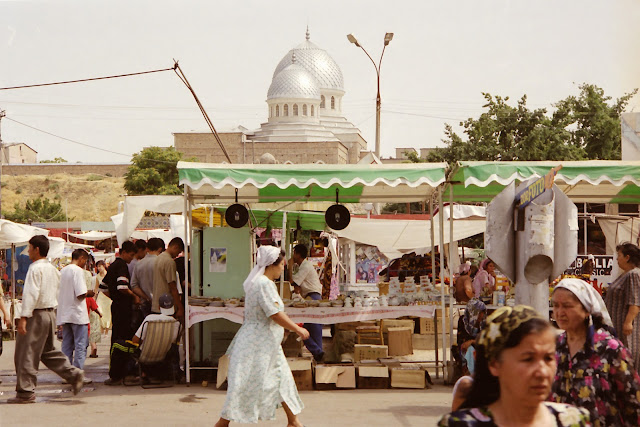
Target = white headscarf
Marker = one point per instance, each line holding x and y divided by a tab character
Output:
588	296
267	255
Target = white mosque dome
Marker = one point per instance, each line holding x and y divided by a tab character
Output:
317	62
293	81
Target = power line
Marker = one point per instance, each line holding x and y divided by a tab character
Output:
69	140
89	79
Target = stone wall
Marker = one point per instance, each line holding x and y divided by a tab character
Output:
115	170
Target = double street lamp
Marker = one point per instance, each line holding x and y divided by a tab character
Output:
387	39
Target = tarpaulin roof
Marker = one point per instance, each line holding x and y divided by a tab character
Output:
405	182
596	181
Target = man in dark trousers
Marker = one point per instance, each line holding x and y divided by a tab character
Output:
37	327
122	297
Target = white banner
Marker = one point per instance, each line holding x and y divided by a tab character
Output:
321	315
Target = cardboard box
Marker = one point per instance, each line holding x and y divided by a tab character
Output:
407	378
426	342
373	376
291	346
369	352
400	341
302	373
335	376
426	325
397	323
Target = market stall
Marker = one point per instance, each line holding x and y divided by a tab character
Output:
226	184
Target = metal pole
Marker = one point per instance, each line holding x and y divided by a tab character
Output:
187	230
442	284
585	229
378	105
283	246
13	289
451	255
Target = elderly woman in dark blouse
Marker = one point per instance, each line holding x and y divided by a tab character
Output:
595	371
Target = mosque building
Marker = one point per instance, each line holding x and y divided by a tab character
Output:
305	121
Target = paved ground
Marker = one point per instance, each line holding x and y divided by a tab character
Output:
100	405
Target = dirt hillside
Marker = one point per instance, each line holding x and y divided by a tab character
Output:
88	197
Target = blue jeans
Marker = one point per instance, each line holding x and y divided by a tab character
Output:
75	339
314	343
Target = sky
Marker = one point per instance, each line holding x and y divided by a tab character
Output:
443	56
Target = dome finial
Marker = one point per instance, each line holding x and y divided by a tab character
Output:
293	58
308	35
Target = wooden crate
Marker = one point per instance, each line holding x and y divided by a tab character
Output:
369	352
400	341
408	378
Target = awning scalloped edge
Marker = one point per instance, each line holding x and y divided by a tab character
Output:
305	184
494	178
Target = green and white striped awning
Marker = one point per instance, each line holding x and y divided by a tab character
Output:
594	181
218	183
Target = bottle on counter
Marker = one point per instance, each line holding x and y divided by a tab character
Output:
499	297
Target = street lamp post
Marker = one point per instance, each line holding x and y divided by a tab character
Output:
387	39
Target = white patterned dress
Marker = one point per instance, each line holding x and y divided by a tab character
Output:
259	377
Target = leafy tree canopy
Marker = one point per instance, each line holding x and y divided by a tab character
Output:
581	127
55	160
153	171
40	209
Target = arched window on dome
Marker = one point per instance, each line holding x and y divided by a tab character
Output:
295	109
277	111
333	103
304	110
286	110
321	101
312	111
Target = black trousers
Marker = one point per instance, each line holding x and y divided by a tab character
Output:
121	316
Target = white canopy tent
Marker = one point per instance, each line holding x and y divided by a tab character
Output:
396	237
134	209
93	236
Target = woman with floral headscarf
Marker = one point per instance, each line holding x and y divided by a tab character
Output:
259	378
595	370
515	366
485	278
469	327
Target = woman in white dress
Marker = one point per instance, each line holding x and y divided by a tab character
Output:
259	378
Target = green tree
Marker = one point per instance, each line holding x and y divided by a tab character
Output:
40	209
153	171
55	160
582	127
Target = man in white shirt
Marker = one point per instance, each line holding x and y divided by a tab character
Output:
37	327
167	311
306	282
73	315
142	279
